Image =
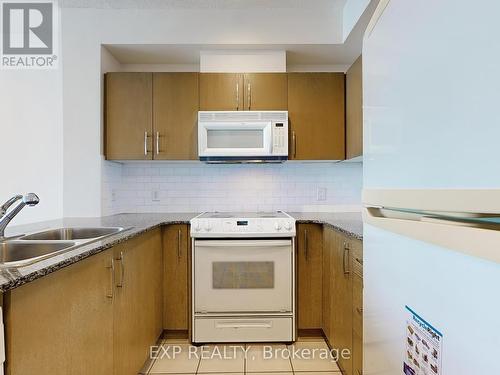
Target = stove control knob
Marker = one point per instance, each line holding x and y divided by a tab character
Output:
208	228
288	225
277	226
197	227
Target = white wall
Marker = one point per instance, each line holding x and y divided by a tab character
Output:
31	140
196	187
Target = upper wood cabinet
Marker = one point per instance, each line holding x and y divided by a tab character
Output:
128	116
221	91
354	110
309	279
265	91
175	116
151	116
175	279
316	114
238	91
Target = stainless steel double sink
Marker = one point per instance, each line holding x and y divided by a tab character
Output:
32	248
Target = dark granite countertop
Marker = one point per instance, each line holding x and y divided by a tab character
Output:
10	278
349	223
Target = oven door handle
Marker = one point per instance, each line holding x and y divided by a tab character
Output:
243	243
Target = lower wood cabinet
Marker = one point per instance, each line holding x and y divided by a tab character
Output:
309	275
328	245
137	301
341	294
176	252
98	316
342	298
357	324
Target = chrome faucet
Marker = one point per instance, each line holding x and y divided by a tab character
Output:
30	199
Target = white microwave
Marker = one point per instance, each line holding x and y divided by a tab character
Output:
242	136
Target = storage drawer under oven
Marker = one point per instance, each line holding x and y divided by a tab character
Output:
262	329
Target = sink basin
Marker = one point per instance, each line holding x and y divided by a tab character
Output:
19	252
70	234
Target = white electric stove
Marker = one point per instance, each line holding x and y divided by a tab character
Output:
243	277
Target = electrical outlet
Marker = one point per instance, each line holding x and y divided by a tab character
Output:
321	194
113	195
155	196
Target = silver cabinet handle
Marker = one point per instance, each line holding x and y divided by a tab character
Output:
294	144
345	260
146	136
122	270
237	96
249	92
306	245
157	143
179	237
359	310
111	267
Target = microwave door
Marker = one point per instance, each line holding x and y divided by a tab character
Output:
235	139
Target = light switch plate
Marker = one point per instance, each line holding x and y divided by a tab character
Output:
155	196
321	194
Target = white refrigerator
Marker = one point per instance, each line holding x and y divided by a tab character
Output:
431	102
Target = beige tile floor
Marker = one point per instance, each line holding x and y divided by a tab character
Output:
231	359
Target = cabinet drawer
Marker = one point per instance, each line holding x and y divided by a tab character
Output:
256	329
357	305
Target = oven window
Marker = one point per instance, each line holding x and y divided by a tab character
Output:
243	275
237	138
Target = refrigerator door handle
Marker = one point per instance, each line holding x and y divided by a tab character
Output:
474	234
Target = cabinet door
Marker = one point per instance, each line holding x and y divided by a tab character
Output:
221	91
265	91
138	302
175	113
175	282
128	114
309	265
341	309
62	323
327	319
354	110
316	114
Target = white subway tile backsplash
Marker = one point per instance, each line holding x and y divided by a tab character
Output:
196	187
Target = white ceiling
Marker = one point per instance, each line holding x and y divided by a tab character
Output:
340	55
200	4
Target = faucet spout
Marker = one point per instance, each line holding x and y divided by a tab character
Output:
30	199
10	202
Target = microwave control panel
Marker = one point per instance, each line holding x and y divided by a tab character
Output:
280	138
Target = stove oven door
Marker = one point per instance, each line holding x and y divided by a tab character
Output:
243	276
